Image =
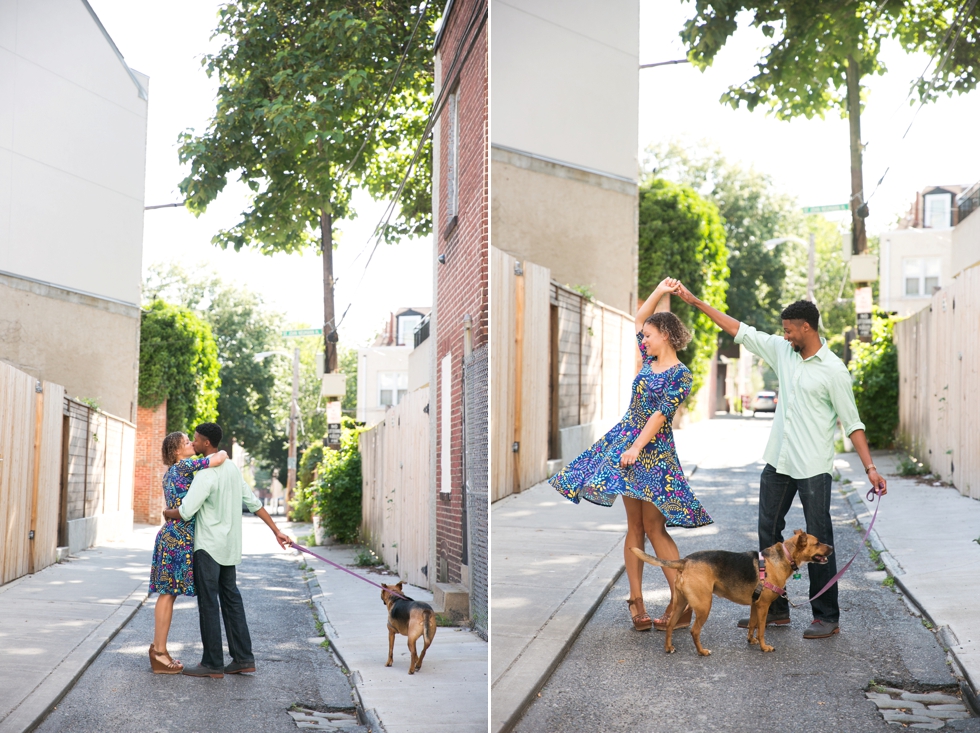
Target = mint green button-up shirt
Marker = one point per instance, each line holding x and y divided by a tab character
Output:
813	394
215	498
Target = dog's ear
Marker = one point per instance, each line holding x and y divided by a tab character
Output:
800	537
397	586
385	586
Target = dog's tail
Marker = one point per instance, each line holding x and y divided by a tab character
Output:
428	622
673	564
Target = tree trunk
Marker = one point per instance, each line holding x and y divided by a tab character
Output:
859	236
329	319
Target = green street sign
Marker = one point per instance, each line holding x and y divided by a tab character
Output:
304	332
822	209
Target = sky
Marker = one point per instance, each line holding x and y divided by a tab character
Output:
808	159
166	40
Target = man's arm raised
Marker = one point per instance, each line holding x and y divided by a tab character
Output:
724	321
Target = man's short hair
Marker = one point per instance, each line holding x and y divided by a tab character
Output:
802	310
211	431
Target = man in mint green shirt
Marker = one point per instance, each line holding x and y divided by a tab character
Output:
215	498
814	393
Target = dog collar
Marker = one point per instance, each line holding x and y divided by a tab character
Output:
792	562
765	584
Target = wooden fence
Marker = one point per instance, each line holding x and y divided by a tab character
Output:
560	359
31	427
519	373
396	502
939	383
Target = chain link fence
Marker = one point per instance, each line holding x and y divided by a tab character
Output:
476	376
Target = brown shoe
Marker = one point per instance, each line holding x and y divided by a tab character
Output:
162	663
641	621
660	624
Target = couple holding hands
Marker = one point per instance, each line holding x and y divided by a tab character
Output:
637	459
198	549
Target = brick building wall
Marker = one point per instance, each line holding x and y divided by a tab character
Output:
462	281
151	429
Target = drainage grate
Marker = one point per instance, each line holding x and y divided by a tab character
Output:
928	711
330	721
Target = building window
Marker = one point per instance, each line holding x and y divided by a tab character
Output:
406	329
392	386
938	211
452	157
921	275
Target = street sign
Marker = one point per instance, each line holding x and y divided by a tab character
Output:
333	435
863	300
291	463
333	412
303	332
864	326
824	209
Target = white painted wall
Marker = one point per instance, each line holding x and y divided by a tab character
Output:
900	244
565	81
72	151
370	361
966	243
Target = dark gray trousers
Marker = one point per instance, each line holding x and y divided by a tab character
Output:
217	593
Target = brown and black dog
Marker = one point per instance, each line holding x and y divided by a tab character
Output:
735	576
408	618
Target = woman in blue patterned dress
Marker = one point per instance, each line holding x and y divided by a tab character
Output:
637	459
172	572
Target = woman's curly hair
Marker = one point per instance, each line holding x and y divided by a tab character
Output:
171	444
671	328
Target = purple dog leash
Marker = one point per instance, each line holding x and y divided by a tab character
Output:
347	570
870	496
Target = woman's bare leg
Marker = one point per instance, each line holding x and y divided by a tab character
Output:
162	615
634	538
655	527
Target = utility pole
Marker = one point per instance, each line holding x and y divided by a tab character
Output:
810	271
293	419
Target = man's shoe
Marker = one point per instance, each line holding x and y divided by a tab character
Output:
199	670
743	623
820	629
240	667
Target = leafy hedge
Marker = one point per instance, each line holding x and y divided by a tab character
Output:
681	235
301	506
337	491
179	364
874	367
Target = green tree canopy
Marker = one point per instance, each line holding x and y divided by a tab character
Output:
179	364
752	212
315	99
820	50
681	236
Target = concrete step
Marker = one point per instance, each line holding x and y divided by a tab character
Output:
451	600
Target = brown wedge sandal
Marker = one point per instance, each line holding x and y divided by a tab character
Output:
641	621
660	624
163	663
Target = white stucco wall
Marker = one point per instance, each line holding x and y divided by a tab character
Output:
72	151
370	361
898	245
565	81
966	243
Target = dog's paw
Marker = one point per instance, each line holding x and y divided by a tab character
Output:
704	652
670	649
767	648
388	663
753	640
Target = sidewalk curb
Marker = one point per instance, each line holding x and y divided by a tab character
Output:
368	717
896	571
34	708
543	654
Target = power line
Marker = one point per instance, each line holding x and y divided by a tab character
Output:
440	102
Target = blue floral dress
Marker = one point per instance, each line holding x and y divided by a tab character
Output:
657	476
172	572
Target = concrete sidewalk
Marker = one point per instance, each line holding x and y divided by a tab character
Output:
552	564
448	694
55	622
925	534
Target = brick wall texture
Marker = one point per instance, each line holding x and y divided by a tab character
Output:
151	429
462	282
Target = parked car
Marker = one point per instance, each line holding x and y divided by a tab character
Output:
765	402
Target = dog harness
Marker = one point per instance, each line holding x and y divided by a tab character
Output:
763	583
